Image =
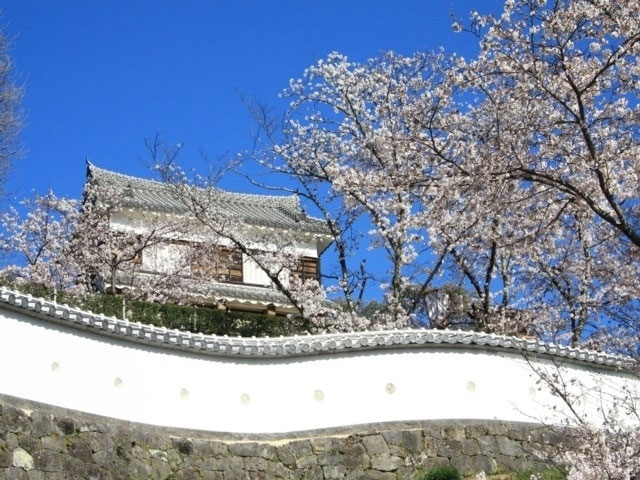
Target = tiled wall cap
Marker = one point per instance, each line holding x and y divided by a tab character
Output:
297	345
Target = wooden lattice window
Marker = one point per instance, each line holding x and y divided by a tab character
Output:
307	269
220	264
137	260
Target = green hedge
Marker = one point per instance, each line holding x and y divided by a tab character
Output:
443	473
200	319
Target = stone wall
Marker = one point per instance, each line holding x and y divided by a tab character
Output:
40	442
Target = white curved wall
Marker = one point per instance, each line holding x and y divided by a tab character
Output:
55	364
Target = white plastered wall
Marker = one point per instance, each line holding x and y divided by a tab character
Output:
77	369
165	258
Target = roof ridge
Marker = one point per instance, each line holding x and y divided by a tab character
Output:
159	183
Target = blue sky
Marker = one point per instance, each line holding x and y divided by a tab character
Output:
100	76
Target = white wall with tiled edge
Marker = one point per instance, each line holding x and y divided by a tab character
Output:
68	367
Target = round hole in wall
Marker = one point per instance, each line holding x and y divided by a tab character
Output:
318	395
184	393
471	387
245	399
55	367
117	382
532	392
390	388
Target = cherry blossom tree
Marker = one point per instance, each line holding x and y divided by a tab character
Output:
62	244
513	175
108	256
556	88
36	241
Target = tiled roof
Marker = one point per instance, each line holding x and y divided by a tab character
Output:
297	345
261	210
227	291
246	293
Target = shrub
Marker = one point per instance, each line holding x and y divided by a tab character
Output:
443	473
196	319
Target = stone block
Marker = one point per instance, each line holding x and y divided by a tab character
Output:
432	431
15	421
54	442
356	457
449	448
508	463
385	462
305	462
139	469
453	433
42	424
334	471
429	447
36	475
464	465
487	444
29	443
517	434
142	453
107	459
215	464
286	455
217	449
393	437
277	470
74	467
48	461
301	448
183	445
97	441
475	431
430	463
188	473
373	475
470	447
485	464
314	472
325	445
412	440
236	463
212	475
160	469
508	447
236	475
67	426
79	449
253	449
15	473
12	440
6	457
496	428
253	464
375	445
21	458
330	459
398	451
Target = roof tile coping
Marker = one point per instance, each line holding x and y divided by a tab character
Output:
146	183
297	345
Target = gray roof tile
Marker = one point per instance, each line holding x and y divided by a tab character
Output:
297	345
261	210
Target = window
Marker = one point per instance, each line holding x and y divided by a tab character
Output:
307	269
137	260
220	264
